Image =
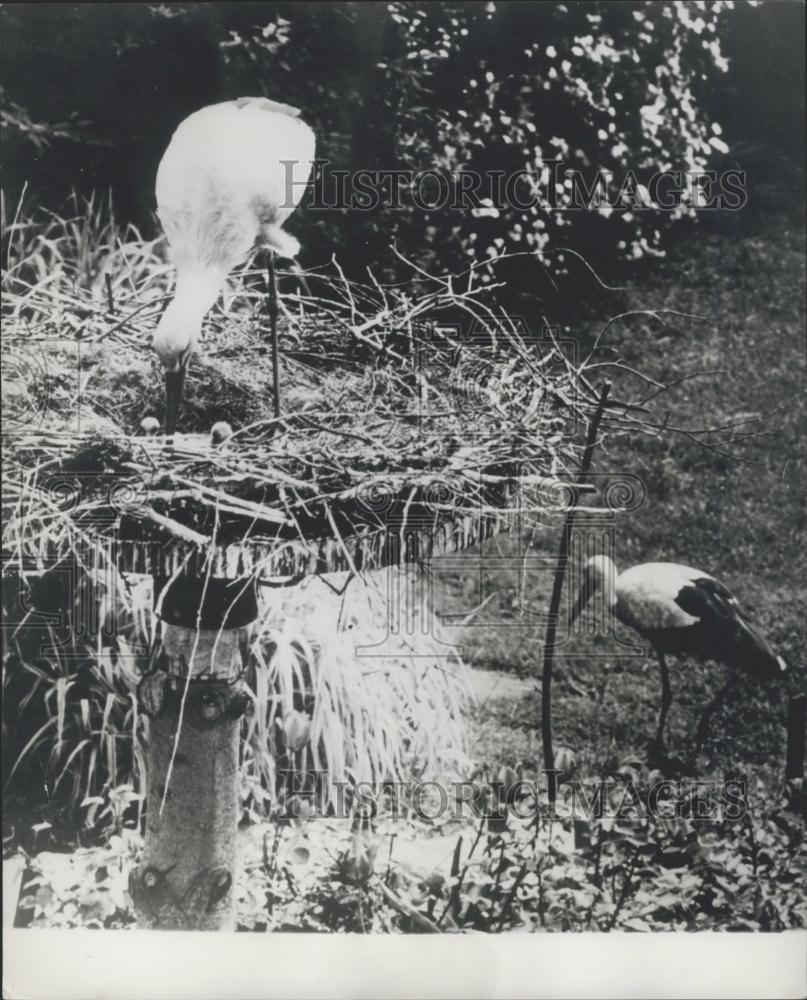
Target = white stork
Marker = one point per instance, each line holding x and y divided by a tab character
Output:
681	611
231	176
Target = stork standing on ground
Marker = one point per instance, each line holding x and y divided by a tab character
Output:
681	611
231	176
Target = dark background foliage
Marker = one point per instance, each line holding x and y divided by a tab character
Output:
460	86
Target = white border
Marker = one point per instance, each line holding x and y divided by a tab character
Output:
133	965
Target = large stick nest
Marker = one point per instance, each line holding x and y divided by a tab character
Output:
396	422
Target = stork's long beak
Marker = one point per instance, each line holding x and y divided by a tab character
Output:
174	383
583	597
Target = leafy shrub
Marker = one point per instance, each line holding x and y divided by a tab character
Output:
88	888
614	88
635	873
628	870
496	86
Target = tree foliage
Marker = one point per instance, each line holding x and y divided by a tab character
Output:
520	91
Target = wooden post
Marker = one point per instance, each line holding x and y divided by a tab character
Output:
195	699
273	314
554	601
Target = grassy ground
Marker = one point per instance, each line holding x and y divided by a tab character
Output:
741	518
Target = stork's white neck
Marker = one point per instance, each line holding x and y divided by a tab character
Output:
609	586
196	290
603	574
179	327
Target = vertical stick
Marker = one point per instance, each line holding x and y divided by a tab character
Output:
796	723
109	296
273	325
554	602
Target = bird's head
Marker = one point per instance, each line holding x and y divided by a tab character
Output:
599	574
220	432
150	426
174	342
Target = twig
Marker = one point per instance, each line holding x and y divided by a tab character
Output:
554	603
372	442
597	278
109	296
178	530
656	314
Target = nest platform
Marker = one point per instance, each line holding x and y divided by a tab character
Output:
401	437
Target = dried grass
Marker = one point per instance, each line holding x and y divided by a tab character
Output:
382	707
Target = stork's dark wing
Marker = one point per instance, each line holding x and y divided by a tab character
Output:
707	597
720	614
266	105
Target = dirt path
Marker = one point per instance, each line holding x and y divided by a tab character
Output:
496	685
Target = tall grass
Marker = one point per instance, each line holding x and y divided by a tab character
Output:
383	707
74	738
47	254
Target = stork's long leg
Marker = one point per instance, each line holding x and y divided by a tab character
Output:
300	276
270	270
703	725
666	699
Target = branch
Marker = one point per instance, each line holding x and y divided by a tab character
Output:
557	588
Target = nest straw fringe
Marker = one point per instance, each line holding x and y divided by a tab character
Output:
403	438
